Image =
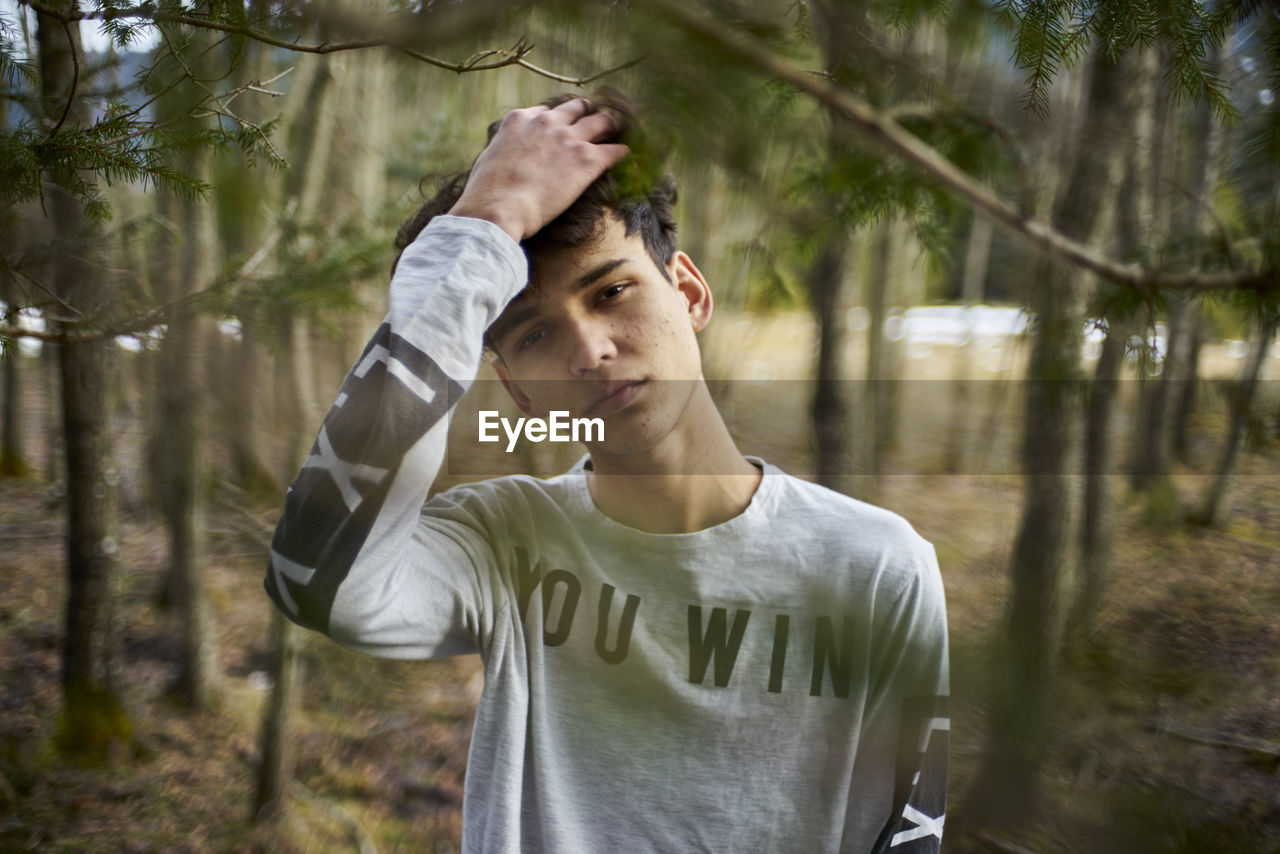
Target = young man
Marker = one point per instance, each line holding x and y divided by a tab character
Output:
685	649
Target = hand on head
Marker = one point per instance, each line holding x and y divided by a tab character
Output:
537	164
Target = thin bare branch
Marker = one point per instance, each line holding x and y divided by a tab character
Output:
198	111
154	317
49	290
223	101
12	332
75	78
882	131
578	81
514	56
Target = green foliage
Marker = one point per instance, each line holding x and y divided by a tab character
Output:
650	160
316	276
706	103
770	287
127	143
1050	35
902	14
13	70
120	147
862	187
1045	40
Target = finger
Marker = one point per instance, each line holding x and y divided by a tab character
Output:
596	126
571	110
516	118
613	153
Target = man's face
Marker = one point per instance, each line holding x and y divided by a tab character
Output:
602	333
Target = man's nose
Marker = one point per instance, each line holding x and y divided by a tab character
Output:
590	345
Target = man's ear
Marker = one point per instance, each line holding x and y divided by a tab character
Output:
694	288
522	400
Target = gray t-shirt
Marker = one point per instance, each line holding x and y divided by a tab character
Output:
777	682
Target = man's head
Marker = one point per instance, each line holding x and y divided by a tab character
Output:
647	214
607	324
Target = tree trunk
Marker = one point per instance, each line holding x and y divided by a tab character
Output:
830	400
1203	168
55	469
1151	464
12	460
1006	788
197	685
1214	510
275	774
181	443
294	379
177	441
840	36
241	201
303	188
1185	404
1133	204
873	399
1198	171
896	284
981	231
301	385
93	725
1096	505
244	432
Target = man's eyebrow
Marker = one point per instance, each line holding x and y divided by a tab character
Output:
597	272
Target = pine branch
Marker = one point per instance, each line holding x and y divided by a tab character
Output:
1039	44
122	145
10	68
885	133
1189	65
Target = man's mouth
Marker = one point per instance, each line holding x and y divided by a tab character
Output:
615	395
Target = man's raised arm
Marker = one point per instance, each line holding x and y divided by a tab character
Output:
343	559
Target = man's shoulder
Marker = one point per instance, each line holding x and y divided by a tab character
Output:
817	508
861	543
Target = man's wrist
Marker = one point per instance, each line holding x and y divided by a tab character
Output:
500	218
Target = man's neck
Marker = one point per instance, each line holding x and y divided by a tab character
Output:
693	479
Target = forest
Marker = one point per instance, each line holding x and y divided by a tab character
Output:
1009	268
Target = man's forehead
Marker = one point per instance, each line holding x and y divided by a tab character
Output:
563	266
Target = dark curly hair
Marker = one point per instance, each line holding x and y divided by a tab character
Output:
649	214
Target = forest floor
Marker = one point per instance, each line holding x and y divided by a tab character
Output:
1163	720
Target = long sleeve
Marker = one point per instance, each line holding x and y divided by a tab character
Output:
908	720
345	559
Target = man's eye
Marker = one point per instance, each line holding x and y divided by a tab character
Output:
612	291
530	338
